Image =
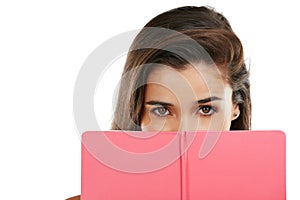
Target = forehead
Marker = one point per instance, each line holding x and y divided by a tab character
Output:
199	80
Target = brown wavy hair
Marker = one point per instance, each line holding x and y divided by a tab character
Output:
177	38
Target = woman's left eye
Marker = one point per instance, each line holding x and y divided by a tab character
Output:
206	110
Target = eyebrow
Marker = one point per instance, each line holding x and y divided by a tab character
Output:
159	103
201	101
209	99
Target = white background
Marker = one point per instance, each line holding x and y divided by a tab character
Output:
44	44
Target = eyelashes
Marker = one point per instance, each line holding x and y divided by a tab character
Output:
164	111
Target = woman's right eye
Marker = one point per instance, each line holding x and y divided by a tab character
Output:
160	111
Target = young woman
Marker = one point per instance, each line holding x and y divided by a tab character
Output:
185	71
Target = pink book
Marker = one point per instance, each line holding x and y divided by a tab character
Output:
231	165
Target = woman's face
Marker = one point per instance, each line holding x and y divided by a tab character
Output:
195	98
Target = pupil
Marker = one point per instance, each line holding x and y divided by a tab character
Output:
206	109
161	110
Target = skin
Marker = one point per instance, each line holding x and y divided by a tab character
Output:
195	98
